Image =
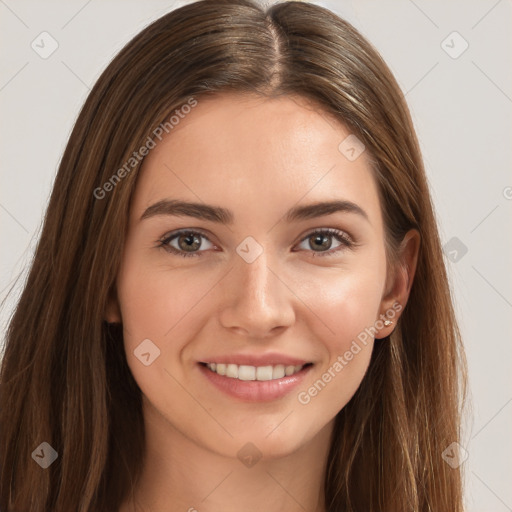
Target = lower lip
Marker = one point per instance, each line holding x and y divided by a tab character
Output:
255	390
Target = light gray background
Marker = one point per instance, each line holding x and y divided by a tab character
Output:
462	112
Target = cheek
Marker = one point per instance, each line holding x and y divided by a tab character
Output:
348	308
345	301
161	312
159	308
159	302
346	304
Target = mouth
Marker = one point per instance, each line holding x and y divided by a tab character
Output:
254	383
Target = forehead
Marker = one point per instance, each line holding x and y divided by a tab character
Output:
257	156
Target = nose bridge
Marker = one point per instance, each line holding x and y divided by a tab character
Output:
255	298
256	279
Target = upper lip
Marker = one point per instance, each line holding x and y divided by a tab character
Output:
271	359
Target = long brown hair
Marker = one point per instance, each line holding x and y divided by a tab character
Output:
64	377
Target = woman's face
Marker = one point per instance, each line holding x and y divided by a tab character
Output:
244	282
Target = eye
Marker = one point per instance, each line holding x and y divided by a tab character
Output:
322	239
185	243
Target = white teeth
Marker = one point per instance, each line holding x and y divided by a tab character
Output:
289	370
232	371
264	373
245	372
278	371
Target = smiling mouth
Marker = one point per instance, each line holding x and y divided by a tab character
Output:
254	373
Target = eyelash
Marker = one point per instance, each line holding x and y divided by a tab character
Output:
346	242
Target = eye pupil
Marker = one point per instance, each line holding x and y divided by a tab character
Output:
192	242
321	239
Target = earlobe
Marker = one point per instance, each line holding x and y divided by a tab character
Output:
398	290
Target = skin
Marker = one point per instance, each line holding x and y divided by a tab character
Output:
257	157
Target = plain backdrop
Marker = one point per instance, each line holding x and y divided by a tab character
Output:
453	63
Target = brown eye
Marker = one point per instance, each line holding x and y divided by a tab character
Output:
320	242
185	243
189	242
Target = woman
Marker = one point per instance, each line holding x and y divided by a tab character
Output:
239	300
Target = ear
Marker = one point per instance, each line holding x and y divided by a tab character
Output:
113	311
399	283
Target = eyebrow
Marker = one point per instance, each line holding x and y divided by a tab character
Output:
174	207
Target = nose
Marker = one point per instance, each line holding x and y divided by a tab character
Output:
256	302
